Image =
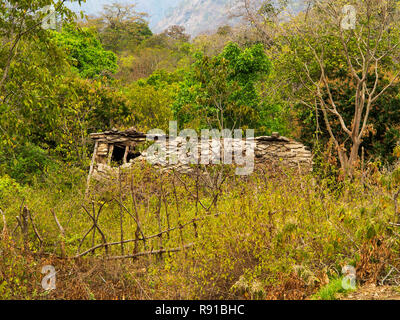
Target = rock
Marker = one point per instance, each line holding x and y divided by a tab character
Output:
267	150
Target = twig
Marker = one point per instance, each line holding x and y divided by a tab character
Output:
145	238
5	232
177	208
62	232
387	276
95	226
151	253
35	229
121	211
22	220
396	204
93	163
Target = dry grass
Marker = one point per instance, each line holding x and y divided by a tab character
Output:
269	236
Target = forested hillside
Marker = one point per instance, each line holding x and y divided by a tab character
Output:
325	75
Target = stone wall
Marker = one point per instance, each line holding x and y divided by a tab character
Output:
282	150
272	150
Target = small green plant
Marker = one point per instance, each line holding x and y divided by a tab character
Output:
331	291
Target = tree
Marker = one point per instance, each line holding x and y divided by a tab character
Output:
221	90
159	52
383	132
177	33
84	106
22	20
86	52
121	27
313	47
150	106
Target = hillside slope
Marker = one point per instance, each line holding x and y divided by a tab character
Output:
197	16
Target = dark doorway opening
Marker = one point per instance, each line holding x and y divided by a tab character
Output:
133	156
118	156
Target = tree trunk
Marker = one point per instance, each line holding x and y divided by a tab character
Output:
348	163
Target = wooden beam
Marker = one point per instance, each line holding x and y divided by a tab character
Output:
91	168
110	154
126	154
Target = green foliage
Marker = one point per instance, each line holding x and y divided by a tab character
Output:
25	16
151	106
86	52
30	163
158	52
221	91
121	27
8	189
331	291
46	105
266	237
383	131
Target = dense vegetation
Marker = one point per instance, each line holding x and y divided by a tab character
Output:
274	235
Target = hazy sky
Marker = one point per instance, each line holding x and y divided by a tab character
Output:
155	8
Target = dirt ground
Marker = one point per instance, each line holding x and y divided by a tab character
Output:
373	292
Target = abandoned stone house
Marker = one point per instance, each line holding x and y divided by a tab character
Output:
119	149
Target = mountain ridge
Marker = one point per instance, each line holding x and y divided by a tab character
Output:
197	16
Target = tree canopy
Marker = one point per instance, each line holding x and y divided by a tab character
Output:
86	52
221	90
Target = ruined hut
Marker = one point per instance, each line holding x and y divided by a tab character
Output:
115	149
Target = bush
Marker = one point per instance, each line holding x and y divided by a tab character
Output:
274	235
9	188
30	164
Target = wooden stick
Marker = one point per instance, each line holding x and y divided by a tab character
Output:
91	169
95	220
35	229
94	226
141	254
146	238
25	214
110	154
127	148
121	211
22	220
396	205
5	232
62	232
137	220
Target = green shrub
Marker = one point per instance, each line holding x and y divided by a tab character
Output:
331	291
30	164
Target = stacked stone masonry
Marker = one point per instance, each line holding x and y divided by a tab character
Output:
123	146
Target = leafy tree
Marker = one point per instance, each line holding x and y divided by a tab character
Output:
150	107
159	52
150	100
383	131
177	33
86	52
121	27
28	105
47	106
315	53
86	106
221	90
21	20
